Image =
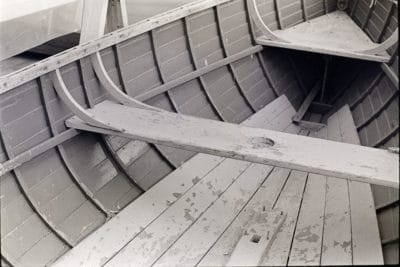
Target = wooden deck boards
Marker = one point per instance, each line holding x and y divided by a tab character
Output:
201	223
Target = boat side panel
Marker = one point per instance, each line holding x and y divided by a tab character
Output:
220	83
236	36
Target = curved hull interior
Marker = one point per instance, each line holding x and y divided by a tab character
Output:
81	180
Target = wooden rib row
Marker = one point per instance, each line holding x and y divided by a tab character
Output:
260	56
378	111
217	11
59	139
63	155
175	107
115	159
386	23
367	92
200	78
17	175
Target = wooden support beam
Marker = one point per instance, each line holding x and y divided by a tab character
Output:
307	102
255	145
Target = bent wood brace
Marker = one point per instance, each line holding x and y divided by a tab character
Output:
254	14
225	139
109	86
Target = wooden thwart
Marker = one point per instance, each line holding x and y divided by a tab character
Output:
255	145
332	34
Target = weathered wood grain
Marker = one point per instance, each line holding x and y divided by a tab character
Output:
256	145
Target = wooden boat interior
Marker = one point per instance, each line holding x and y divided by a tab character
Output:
219	133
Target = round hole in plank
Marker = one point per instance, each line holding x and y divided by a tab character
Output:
261	142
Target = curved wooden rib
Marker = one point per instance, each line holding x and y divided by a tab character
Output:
382	47
24	191
230	66
159	71
196	67
63	154
256	17
121	97
112	88
105	139
68	99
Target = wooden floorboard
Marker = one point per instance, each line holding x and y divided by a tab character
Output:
219	253
327	220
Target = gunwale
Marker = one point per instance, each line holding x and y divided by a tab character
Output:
26	74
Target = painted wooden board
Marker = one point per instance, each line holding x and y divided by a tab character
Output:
225	180
362	225
220	252
336	243
130	222
289	201
257	239
333	34
366	243
256	145
307	239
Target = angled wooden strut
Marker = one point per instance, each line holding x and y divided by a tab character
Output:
72	104
112	88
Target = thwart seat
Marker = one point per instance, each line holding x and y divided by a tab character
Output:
197	214
334	33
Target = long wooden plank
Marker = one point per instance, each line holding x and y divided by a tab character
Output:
145	249
289	201
366	243
336	245
307	239
256	145
130	222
